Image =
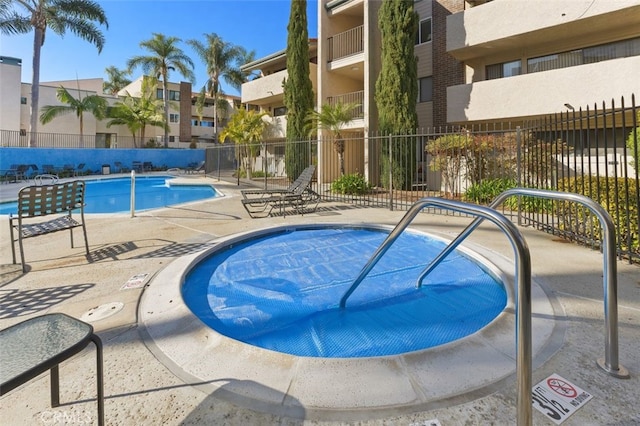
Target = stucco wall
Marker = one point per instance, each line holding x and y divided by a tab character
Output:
95	158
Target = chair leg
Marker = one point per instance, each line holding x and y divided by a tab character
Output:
13	242
86	241
55	386
99	370
24	266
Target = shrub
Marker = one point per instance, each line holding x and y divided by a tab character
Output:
151	143
620	201
633	144
260	174
351	184
487	190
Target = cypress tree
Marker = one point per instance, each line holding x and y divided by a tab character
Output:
397	89
298	90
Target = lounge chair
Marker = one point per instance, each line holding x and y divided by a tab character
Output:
298	196
195	167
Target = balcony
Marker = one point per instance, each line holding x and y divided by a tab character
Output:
261	89
267	89
531	95
353	97
345	7
347	43
503	26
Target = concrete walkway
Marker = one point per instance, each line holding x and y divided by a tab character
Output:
142	389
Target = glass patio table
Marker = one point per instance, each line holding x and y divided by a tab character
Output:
30	348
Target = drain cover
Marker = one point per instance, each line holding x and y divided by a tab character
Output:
102	311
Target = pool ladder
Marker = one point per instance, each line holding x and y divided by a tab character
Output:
45	179
523	277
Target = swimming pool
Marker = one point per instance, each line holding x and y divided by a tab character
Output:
281	292
113	195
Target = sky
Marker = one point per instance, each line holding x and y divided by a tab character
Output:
259	25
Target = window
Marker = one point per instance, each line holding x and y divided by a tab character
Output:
172	138
195	122
424	31
279	111
174	95
205	123
587	55
174	118
23	100
425	89
505	69
159	94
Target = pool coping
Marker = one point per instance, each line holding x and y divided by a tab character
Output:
10	195
297	387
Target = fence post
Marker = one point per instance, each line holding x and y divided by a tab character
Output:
133	193
390	176
519	170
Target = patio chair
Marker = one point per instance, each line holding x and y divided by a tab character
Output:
48	169
298	196
119	168
68	170
81	170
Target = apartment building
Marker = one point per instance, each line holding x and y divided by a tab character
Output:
265	90
524	59
186	123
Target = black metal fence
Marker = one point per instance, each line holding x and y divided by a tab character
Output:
22	139
591	151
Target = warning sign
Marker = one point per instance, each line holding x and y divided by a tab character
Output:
135	281
557	398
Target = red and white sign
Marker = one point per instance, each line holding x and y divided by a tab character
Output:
135	281
557	398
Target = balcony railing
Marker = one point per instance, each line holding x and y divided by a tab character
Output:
347	43
353	97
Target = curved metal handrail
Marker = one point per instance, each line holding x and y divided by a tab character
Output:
523	288
610	362
38	180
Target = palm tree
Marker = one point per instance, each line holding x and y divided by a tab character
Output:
116	80
333	118
77	16
165	56
138	112
246	127
222	61
93	104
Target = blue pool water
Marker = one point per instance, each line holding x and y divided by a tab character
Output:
282	292
114	195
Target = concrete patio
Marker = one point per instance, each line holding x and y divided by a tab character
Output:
142	386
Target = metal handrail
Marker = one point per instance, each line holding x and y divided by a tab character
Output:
38	180
610	362
523	288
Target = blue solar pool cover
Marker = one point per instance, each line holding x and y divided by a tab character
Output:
282	292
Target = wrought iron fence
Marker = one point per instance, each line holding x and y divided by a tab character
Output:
592	151
21	139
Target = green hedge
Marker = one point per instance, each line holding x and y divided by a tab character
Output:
620	201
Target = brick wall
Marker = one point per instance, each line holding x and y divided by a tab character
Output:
446	70
185	112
